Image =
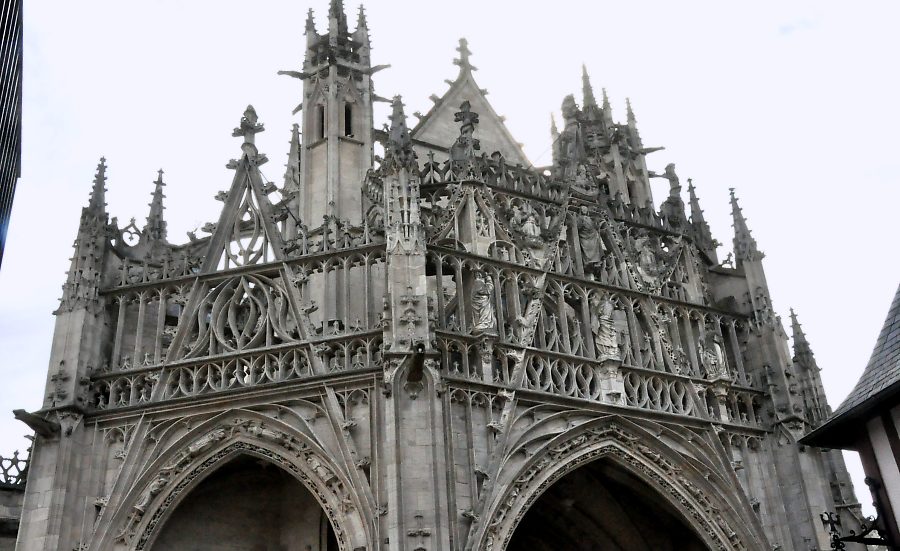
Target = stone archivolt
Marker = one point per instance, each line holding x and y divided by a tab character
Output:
428	340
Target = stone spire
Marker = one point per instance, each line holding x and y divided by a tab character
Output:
745	248
587	90
807	370
463	61
97	201
702	234
629	112
801	345
82	286
156	224
361	22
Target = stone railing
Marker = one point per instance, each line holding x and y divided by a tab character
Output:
252	369
13	471
495	173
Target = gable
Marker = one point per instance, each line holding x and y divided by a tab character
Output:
439	128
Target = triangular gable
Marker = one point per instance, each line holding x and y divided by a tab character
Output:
246	232
438	127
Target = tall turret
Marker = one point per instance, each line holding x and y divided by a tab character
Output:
337	124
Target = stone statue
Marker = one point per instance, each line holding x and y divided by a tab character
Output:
589	238
712	355
605	338
483	303
155	487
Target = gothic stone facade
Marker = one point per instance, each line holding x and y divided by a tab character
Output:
441	347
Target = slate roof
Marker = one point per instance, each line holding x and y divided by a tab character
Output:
879	383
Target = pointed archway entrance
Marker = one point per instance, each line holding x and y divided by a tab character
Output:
248	504
600	506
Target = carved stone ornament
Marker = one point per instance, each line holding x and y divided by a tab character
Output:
616	443
253	437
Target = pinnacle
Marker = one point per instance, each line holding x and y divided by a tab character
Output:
97	202
155	222
310	22
587	90
399	146
744	244
361	18
337	18
801	344
629	111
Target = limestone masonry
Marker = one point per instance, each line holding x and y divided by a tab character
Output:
439	347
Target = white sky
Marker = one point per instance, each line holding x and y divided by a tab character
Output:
795	104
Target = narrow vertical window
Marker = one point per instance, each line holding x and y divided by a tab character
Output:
321	121
348	120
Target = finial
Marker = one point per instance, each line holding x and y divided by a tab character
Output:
249	126
744	244
310	22
587	90
464	65
97	202
156	224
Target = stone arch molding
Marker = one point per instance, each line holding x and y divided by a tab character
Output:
171	477
685	488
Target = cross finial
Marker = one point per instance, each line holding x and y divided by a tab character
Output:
249	127
464	54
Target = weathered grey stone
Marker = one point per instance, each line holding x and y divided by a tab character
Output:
442	349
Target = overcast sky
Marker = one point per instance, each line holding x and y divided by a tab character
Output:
795	104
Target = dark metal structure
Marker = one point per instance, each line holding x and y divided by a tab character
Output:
10	110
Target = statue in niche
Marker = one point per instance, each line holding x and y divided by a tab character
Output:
712	356
570	142
483	303
525	220
592	247
584	182
605	337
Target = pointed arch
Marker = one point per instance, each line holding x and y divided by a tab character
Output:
171	476
704	504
